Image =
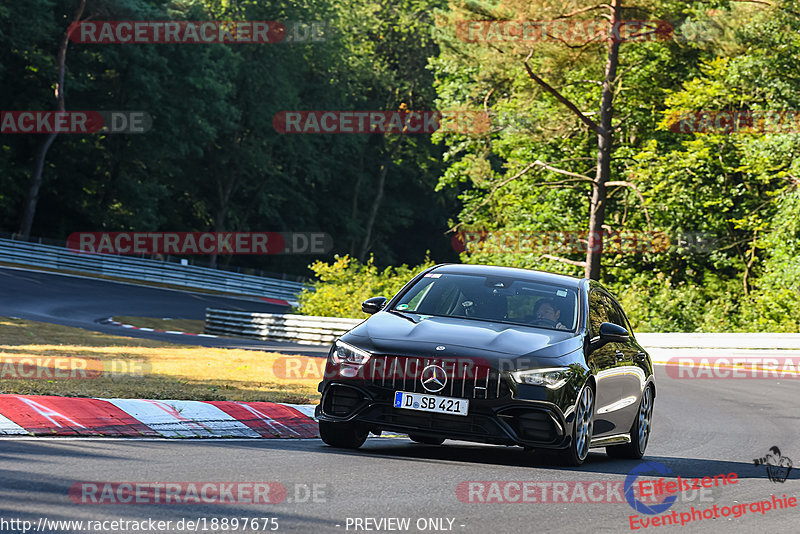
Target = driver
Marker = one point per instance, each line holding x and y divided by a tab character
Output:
545	311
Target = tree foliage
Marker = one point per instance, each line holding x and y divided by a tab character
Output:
343	284
212	161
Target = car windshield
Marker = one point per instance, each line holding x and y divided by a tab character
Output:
493	298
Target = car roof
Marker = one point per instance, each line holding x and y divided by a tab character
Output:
512	272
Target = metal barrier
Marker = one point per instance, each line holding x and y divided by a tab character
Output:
302	329
734	340
61	258
311	330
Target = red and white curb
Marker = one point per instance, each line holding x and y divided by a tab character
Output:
142	329
43	415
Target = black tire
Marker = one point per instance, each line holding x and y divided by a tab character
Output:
427	440
640	431
343	435
578	449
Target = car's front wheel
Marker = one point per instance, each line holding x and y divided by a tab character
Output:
346	435
640	431
582	429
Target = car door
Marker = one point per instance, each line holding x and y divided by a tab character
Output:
602	361
640	357
629	376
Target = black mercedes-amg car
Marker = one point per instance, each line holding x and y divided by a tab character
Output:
493	355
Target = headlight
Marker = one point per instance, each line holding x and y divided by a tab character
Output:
346	353
552	378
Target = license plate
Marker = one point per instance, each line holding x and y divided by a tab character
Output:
430	403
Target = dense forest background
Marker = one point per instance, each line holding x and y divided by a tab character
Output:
213	161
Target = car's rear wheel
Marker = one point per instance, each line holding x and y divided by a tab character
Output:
347	435
427	440
640	431
582	429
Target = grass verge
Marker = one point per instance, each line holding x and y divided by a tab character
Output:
116	366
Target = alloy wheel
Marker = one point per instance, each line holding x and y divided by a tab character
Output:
584	422
645	418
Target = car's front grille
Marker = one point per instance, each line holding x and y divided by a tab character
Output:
465	379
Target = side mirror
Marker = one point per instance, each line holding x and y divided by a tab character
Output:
610	332
373	305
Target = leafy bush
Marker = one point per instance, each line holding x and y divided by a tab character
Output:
656	304
345	283
774	305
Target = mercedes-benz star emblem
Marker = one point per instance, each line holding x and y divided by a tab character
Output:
433	378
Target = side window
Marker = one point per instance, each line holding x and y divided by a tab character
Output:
623	318
615	314
598	313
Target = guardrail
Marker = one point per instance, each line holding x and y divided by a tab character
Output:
35	254
302	329
312	330
735	340
666	347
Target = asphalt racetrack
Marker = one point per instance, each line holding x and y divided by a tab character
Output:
83	302
702	428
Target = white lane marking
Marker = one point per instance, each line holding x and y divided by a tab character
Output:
7	426
184	419
142	329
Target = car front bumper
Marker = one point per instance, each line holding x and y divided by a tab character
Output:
519	415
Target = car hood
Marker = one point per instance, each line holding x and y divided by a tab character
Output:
414	334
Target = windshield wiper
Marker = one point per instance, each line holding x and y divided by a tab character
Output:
402	314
